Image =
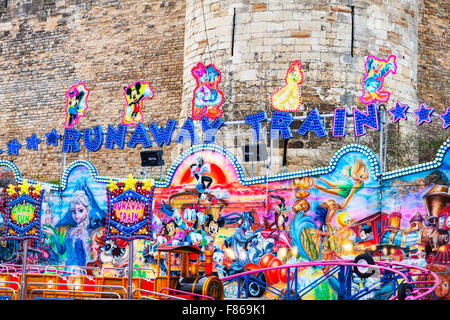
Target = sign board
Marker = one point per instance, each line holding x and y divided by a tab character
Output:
254	152
129	214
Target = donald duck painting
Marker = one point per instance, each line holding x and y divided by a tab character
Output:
376	71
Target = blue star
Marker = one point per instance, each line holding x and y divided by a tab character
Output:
52	138
13	147
399	111
445	117
32	142
423	114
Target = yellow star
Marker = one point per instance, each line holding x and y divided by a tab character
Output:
11	190
129	183
148	184
24	187
112	185
38	188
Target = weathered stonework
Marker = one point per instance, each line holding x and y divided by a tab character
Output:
48	45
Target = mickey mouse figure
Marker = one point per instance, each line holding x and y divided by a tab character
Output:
198	171
135	95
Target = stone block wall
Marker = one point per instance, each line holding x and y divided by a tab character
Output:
256	50
433	54
48	46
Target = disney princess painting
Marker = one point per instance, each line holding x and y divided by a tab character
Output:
82	216
289	98
357	175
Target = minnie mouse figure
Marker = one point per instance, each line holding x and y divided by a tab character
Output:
76	104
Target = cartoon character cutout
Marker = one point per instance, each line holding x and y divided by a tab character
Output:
207	98
135	96
376	71
76	104
289	97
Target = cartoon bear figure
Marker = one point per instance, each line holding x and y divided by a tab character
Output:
376	71
135	95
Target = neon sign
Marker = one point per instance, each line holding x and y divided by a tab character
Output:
129	211
376	71
24	212
76	104
135	95
289	97
129	214
207	98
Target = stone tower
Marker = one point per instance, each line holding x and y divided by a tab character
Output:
254	42
46	46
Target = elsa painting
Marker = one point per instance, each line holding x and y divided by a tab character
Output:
82	216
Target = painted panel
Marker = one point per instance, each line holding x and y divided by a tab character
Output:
335	212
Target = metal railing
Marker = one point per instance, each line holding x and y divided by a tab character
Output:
6	289
155	294
76	291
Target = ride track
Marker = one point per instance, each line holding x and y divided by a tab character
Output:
404	278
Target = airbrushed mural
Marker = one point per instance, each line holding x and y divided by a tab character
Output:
335	212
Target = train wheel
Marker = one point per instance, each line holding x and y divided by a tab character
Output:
256	290
404	290
363	272
429	258
442	237
213	287
399	255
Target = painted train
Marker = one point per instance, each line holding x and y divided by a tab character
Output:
381	236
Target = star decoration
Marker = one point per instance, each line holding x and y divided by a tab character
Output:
399	111
53	137
445	117
13	147
112	185
32	142
423	114
129	183
11	190
24	187
148	184
38	188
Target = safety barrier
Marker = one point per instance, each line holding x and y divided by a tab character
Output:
152	295
187	294
404	279
7	286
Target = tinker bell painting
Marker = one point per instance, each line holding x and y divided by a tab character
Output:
351	187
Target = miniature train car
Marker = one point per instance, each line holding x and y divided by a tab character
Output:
182	274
